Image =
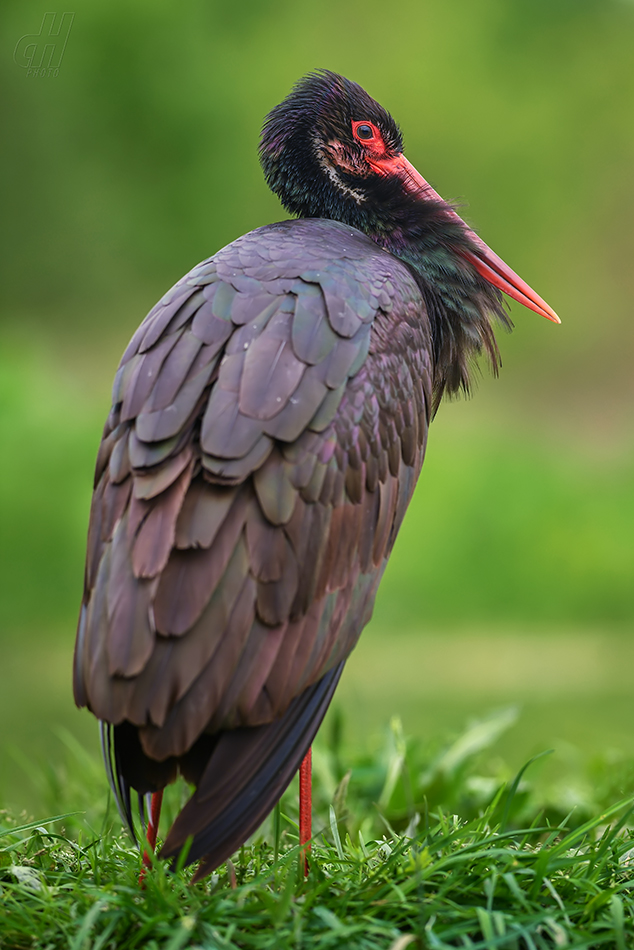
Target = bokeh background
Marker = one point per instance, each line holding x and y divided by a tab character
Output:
512	580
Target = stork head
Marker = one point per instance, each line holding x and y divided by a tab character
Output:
331	151
317	147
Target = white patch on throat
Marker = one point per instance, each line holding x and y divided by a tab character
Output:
331	171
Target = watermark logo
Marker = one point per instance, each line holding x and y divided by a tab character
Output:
41	53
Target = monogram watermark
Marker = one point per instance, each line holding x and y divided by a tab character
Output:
41	53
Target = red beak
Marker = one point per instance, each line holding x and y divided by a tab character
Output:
486	262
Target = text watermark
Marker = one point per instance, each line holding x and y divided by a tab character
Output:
41	53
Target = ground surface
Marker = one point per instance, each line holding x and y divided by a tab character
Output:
438	846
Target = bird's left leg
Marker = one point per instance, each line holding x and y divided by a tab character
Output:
305	808
152	831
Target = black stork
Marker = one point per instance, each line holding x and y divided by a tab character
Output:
268	425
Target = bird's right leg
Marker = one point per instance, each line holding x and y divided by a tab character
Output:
152	831
305	808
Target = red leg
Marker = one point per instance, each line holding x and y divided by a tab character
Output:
305	808
152	831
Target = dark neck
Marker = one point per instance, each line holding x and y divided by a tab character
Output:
460	304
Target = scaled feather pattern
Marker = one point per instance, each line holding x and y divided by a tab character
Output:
268	425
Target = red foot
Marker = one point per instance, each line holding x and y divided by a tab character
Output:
305	808
152	831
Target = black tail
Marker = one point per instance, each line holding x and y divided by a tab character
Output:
239	775
245	776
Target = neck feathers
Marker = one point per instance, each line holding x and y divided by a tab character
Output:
461	305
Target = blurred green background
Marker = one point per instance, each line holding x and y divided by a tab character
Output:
512	578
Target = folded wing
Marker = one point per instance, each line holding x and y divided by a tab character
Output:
268	425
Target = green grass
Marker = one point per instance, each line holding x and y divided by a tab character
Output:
424	846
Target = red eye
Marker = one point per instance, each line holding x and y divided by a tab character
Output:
366	132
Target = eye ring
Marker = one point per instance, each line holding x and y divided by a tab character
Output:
366	132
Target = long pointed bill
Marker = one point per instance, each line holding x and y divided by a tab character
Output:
486	261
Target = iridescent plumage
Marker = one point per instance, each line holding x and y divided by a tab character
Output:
268	425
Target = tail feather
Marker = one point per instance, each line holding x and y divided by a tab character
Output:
239	775
117	781
247	772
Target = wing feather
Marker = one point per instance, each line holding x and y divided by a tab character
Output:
154	539
191	575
